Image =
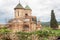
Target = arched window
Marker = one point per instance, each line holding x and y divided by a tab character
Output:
25	27
26	14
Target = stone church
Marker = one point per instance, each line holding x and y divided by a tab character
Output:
23	20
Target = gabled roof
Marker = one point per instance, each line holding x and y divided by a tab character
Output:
19	6
27	8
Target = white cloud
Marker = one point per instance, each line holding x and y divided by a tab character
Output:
40	8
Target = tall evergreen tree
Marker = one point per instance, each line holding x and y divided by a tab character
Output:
53	21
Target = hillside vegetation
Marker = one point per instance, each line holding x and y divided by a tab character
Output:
47	23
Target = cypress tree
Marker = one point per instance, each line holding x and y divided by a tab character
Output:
53	21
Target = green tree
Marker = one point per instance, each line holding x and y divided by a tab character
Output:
53	21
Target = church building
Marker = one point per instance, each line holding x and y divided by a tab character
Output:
23	20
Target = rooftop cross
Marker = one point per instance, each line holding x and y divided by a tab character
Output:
19	1
19	6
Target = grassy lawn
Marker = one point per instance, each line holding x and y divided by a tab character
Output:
57	32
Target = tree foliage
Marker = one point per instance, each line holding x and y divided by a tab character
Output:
53	21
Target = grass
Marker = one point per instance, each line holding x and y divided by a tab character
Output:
56	32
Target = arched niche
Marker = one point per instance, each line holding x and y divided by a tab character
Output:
25	27
26	14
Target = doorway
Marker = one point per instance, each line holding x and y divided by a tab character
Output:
25	28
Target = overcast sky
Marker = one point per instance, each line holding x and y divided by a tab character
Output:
40	8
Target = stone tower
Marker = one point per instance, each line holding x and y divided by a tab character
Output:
22	12
19	11
27	11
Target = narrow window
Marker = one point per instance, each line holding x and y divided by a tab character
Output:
18	13
26	14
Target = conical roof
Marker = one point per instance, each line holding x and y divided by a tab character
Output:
19	6
27	8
